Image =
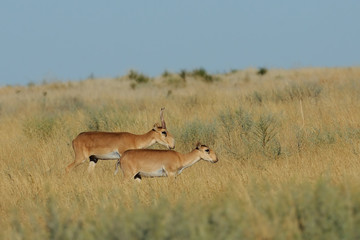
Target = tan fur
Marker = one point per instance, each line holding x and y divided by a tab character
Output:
147	161
98	143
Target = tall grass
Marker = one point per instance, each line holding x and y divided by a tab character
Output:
321	210
283	172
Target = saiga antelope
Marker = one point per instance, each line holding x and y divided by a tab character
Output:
111	145
161	163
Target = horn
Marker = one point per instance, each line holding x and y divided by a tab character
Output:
163	124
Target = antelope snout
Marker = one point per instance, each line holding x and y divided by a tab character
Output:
171	147
215	161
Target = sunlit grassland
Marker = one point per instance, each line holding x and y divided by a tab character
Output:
288	144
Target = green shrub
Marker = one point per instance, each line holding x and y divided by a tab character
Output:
105	118
262	71
138	77
319	136
166	74
132	74
197	130
142	79
183	74
325	212
291	92
264	135
246	136
41	127
232	121
296	91
202	74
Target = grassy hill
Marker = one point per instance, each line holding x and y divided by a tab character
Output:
288	143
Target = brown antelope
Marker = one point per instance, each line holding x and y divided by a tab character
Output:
111	145
161	163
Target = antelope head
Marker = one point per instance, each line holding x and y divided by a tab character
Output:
206	153
162	135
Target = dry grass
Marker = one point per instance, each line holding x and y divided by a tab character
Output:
280	174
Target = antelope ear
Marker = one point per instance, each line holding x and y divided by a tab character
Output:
198	145
156	126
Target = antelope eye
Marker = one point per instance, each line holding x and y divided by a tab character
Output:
207	150
163	132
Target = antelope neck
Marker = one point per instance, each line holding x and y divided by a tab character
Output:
190	158
145	140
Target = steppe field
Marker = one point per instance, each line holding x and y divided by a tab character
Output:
288	143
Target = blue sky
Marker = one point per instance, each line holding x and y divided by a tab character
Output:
72	39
